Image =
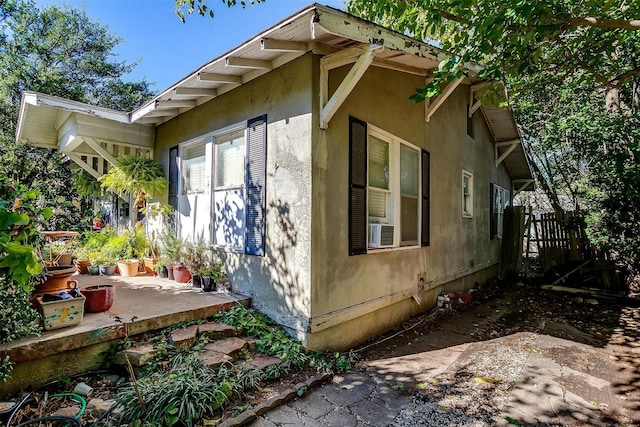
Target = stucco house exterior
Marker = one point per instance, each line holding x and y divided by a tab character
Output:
341	206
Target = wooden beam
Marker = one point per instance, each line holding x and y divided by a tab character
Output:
283	45
396	66
219	78
67	147
343	57
347	85
256	64
368	32
473	108
436	103
175	103
511	146
194	91
84	165
162	112
525	183
100	150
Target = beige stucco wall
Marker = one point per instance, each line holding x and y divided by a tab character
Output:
349	293
279	282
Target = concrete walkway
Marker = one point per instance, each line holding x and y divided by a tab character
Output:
443	378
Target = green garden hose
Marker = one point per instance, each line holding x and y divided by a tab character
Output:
77	398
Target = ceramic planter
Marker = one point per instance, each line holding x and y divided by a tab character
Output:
162	273
107	270
99	298
208	285
170	273
196	281
181	274
94	270
128	267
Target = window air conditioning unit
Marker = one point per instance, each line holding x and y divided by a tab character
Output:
380	236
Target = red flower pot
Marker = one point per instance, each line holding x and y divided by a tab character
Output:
99	298
181	274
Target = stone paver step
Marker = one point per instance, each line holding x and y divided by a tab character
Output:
213	359
138	355
260	362
216	331
232	346
185	338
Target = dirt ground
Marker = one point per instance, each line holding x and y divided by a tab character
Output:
503	325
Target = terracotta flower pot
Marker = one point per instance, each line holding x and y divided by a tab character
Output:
149	263
82	265
181	274
128	267
99	298
58	277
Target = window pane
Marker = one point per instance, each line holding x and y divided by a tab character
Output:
377	204
194	170
409	219
230	161
408	171
378	163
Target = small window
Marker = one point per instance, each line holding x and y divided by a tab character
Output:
194	169
501	199
470	126
467	194
229	162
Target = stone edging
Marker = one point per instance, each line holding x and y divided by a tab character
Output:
275	401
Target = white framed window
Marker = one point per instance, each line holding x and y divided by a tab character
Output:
229	196
393	191
193	168
467	194
501	199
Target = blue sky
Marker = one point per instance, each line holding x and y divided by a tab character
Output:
167	49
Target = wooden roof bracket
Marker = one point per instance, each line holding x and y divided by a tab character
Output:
474	105
439	100
365	55
522	183
511	146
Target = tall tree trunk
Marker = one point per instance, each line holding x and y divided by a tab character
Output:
546	187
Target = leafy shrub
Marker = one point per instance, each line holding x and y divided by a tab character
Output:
184	394
20	267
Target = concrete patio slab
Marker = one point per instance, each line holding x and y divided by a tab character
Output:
142	303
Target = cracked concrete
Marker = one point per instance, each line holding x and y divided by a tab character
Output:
444	377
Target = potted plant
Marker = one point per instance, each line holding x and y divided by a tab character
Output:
171	248
214	276
160	268
135	175
196	258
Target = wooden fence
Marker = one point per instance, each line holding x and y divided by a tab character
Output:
560	242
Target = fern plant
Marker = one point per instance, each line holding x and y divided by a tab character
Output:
136	175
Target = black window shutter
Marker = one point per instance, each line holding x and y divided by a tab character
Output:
357	187
425	239
493	217
174	176
256	178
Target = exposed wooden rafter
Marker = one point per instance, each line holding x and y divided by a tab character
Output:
240	62
194	91
436	103
175	103
283	45
219	78
84	165
511	145
328	107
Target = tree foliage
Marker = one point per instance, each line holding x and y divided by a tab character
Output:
58	51
201	7
584	41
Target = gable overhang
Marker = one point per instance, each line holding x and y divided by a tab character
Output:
508	146
340	38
